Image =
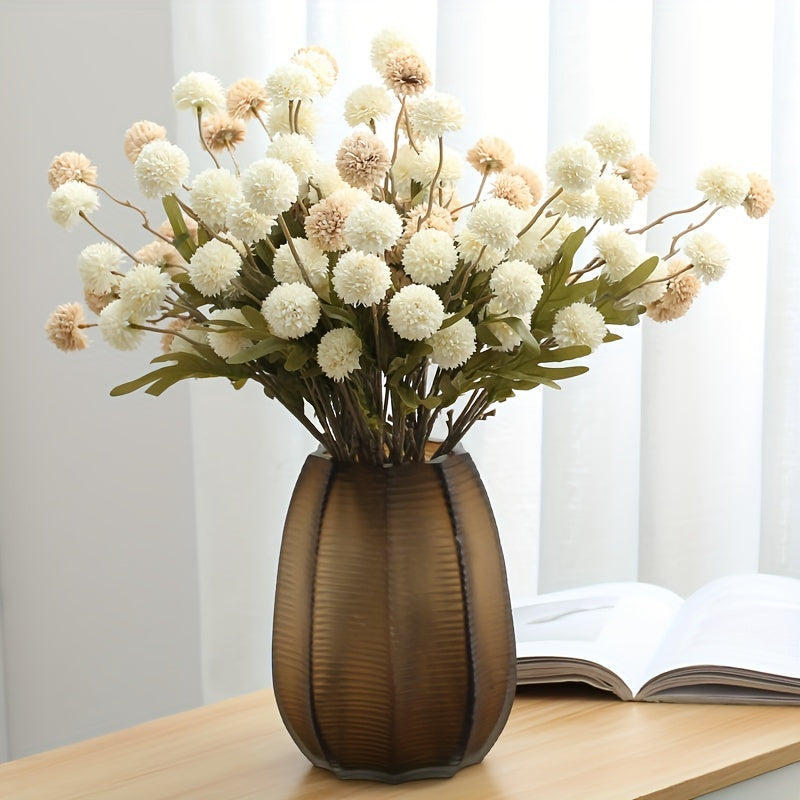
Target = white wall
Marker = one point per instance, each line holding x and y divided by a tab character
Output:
98	561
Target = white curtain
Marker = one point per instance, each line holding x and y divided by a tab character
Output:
675	459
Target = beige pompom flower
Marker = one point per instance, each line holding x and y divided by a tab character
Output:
161	168
435	113
70	201
512	188
490	154
291	82
200	91
223	132
71	166
760	196
212	193
228	340
363	160
247	224
453	345
314	261
162	255
339	352
384	44
367	103
361	279
325	221
246	98
579	324
641	173
291	310
517	286
574	165
612	141
708	255
174	326
533	181
723	185
143	290
270	186
99	266
430	257
321	64
620	251
97	302
139	134
297	151
405	73
115	325
415	312
65	327
494	223
213	266
682	288
616	199
373	227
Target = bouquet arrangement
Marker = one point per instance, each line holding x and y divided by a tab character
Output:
366	295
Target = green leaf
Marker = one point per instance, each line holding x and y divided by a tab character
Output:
297	356
456	316
255	319
342	314
264	347
181	241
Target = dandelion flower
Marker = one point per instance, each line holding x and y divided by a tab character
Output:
612	141
575	165
363	160
139	134
415	312
247	224
314	261
115	325
760	196
213	266
494	223
143	290
228	340
453	345
641	173
405	73
579	324
200	91
212	193
246	98
64	327
372	227
616	199
71	166
361	279
97	264
71	200
430	257
620	251
708	255
223	132
338	353
291	82
490	154
291	310
517	286
367	103
270	186
681	289
297	151
435	113
161	168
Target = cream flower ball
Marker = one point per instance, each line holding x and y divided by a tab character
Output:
97	264
620	251
199	90
368	102
415	312
494	223
612	141
708	255
270	186
291	82
115	327
517	286
291	310
315	263
373	227
723	186
338	353
435	113
227	341
579	324
247	224
297	151
213	192
507	337
616	199
424	166
361	279
575	166
69	201
143	290
213	266
472	251
453	345
653	288
430	257
161	168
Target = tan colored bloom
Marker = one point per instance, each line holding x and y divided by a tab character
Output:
97	302
680	293
533	181
168	337
222	132
363	160
490	154
513	188
139	134
325	221
439	219
162	255
323	51
71	166
760	198
405	73
64	327
641	172
246	98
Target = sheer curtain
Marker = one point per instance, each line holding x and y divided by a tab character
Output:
675	459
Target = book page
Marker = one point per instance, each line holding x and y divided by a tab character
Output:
616	625
747	622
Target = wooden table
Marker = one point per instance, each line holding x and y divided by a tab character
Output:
560	744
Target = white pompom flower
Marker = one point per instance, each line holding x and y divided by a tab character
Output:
453	345
579	324
213	192
723	186
616	199
314	261
161	168
620	251
143	290
339	352
435	113
539	244
270	186
612	141
213	266
115	326
199	90
472	251
574	166
291	310
424	166
386	43
576	204
507	337
97	264
361	279
297	151
247	224
652	289
494	223
708	255
368	102
373	227
71	200
415	312
430	257
517	286
228	340
291	82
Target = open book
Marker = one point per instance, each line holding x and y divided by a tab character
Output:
736	640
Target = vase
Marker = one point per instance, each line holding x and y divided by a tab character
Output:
393	646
